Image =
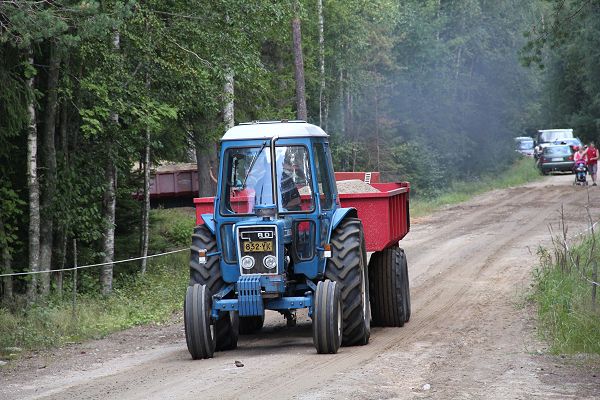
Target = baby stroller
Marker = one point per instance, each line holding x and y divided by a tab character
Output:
580	169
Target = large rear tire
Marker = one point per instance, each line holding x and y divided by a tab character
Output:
327	318
348	267
388	278
199	329
209	274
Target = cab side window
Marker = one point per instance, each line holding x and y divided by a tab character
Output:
323	178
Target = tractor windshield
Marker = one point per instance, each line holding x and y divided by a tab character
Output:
248	181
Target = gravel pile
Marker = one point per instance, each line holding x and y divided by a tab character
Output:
355	186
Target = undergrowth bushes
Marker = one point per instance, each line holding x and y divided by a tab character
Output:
569	314
137	299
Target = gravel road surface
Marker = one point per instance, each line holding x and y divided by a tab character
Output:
472	334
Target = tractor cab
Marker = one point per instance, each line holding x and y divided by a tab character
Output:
275	200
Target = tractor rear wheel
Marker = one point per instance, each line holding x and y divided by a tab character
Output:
249	325
388	277
209	274
327	318
348	267
199	329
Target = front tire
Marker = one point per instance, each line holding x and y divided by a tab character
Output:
199	330
327	318
348	267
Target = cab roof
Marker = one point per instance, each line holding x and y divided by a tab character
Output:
270	129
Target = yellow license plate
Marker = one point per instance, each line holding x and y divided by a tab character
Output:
253	247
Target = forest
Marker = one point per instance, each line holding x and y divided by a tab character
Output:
94	94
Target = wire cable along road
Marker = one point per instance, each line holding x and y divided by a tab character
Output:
470	336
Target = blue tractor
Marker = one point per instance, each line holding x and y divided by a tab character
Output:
277	239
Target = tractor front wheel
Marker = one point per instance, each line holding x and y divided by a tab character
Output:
327	318
199	329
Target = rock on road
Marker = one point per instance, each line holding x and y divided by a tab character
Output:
471	335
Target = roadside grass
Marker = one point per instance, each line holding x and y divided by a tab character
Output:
568	318
522	171
136	299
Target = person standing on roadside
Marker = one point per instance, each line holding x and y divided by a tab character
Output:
592	159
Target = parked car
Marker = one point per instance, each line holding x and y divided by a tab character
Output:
573	142
546	137
556	158
524	145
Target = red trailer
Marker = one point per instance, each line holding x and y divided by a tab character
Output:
384	214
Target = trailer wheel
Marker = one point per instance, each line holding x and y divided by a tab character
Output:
199	329
249	325
388	277
405	287
209	274
348	267
327	318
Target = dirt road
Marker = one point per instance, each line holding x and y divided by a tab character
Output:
472	334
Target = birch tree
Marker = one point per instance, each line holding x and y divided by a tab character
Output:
34	189
299	63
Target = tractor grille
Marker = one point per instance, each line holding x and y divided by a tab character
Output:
259	244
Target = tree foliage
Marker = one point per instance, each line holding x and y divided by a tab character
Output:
565	47
425	90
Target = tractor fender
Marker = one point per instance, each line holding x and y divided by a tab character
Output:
338	216
209	221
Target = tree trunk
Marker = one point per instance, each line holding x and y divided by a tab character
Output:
110	201
342	113
61	231
299	64
146	206
378	155
49	163
228	108
203	163
321	62
6	268
34	194
109	207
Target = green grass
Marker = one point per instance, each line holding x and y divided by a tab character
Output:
136	300
521	172
568	320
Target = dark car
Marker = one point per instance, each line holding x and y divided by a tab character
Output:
573	142
556	158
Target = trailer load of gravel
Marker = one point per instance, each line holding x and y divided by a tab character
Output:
355	186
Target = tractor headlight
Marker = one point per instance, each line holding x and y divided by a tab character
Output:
270	262
247	262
